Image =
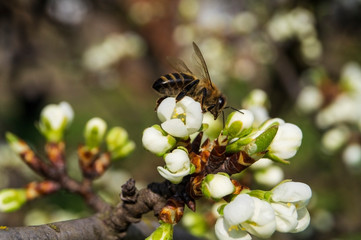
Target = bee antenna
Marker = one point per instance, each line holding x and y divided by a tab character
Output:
235	109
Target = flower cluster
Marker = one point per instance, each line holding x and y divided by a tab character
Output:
202	166
179	121
335	105
262	213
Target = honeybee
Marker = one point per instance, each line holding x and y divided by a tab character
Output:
185	83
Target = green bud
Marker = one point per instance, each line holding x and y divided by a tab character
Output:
123	151
94	132
15	143
54	119
116	137
163	232
12	199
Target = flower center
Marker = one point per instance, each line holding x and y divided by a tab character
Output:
179	113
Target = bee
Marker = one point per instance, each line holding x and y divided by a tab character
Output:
184	83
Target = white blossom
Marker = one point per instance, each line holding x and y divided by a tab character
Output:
269	176
157	141
180	119
54	119
262	223
177	166
217	185
286	216
225	231
286	142
94	131
239	210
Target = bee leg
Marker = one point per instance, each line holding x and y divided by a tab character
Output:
204	93
186	90
159	101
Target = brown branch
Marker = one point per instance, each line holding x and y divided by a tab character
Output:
120	222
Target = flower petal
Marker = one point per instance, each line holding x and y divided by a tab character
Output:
166	108
172	177
286	216
239	210
175	127
226	232
262	223
293	192
303	220
194	117
177	160
154	141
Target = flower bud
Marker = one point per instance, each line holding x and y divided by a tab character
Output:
118	143
286	142
94	132
54	119
12	199
238	124
217	186
177	166
157	141
17	145
163	232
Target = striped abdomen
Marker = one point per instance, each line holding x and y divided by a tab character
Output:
172	83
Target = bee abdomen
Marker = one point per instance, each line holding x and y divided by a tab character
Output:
172	83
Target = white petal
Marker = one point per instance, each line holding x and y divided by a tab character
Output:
292	192
220	186
154	141
185	102
263	222
239	210
172	177
303	220
175	127
287	141
165	109
226	232
55	115
286	216
246	117
194	117
68	111
177	160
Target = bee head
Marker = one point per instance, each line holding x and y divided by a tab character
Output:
217	108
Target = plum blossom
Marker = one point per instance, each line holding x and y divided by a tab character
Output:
177	166
180	119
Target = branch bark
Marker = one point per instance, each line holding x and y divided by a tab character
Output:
120	222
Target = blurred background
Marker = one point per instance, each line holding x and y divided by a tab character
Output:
102	57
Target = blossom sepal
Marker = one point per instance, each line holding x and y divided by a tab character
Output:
163	232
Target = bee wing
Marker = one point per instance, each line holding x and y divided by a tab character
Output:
178	65
202	63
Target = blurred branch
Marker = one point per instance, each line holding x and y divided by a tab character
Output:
112	224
